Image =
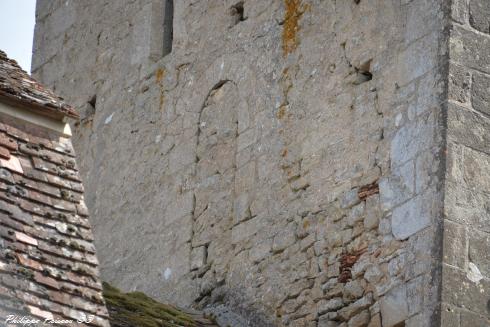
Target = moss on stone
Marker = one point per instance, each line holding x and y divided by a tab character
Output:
137	309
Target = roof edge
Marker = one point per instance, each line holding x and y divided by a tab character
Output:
33	117
37	108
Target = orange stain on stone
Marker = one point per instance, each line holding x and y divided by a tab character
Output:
281	112
160	74
294	11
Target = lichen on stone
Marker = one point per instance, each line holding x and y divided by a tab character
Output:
137	309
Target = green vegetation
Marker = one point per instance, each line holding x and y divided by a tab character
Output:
138	310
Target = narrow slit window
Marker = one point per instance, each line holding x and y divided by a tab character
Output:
168	26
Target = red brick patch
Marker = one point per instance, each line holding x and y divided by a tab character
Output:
368	190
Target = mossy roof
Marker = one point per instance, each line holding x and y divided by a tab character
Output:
139	310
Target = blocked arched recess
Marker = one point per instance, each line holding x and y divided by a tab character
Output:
223	105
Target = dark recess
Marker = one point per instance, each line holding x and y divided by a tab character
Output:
93	101
237	11
168	27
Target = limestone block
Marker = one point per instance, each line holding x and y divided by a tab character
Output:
426	171
477	169
459	83
198	257
373	212
375	321
418	320
459	11
398	187
246	229
356	214
412	216
412	139
419	14
246	138
480	93
181	155
478	251
359	320
479	13
325	321
284	238
470	49
373	274
417	59
325	306
353	290
181	206
260	251
415	295
352	309
394	307
450	316
468	208
455	242
242	208
350	198
471	319
458	290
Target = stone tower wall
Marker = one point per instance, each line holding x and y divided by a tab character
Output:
286	160
466	262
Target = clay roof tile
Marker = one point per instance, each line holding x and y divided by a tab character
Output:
17	86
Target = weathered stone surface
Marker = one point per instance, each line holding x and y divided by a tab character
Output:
455	243
466	191
470	49
459	11
198	257
460	291
257	137
459	84
325	306
478	253
398	187
480	93
359	320
394	307
479	13
412	216
471	319
450	316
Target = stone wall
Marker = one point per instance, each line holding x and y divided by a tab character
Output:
283	165
466	262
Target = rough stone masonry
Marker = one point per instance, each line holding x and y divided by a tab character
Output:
284	162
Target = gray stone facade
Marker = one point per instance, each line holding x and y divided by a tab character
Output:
288	163
466	262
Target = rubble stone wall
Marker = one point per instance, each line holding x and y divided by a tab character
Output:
283	165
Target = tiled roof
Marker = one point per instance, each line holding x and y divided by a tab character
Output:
16	85
48	267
